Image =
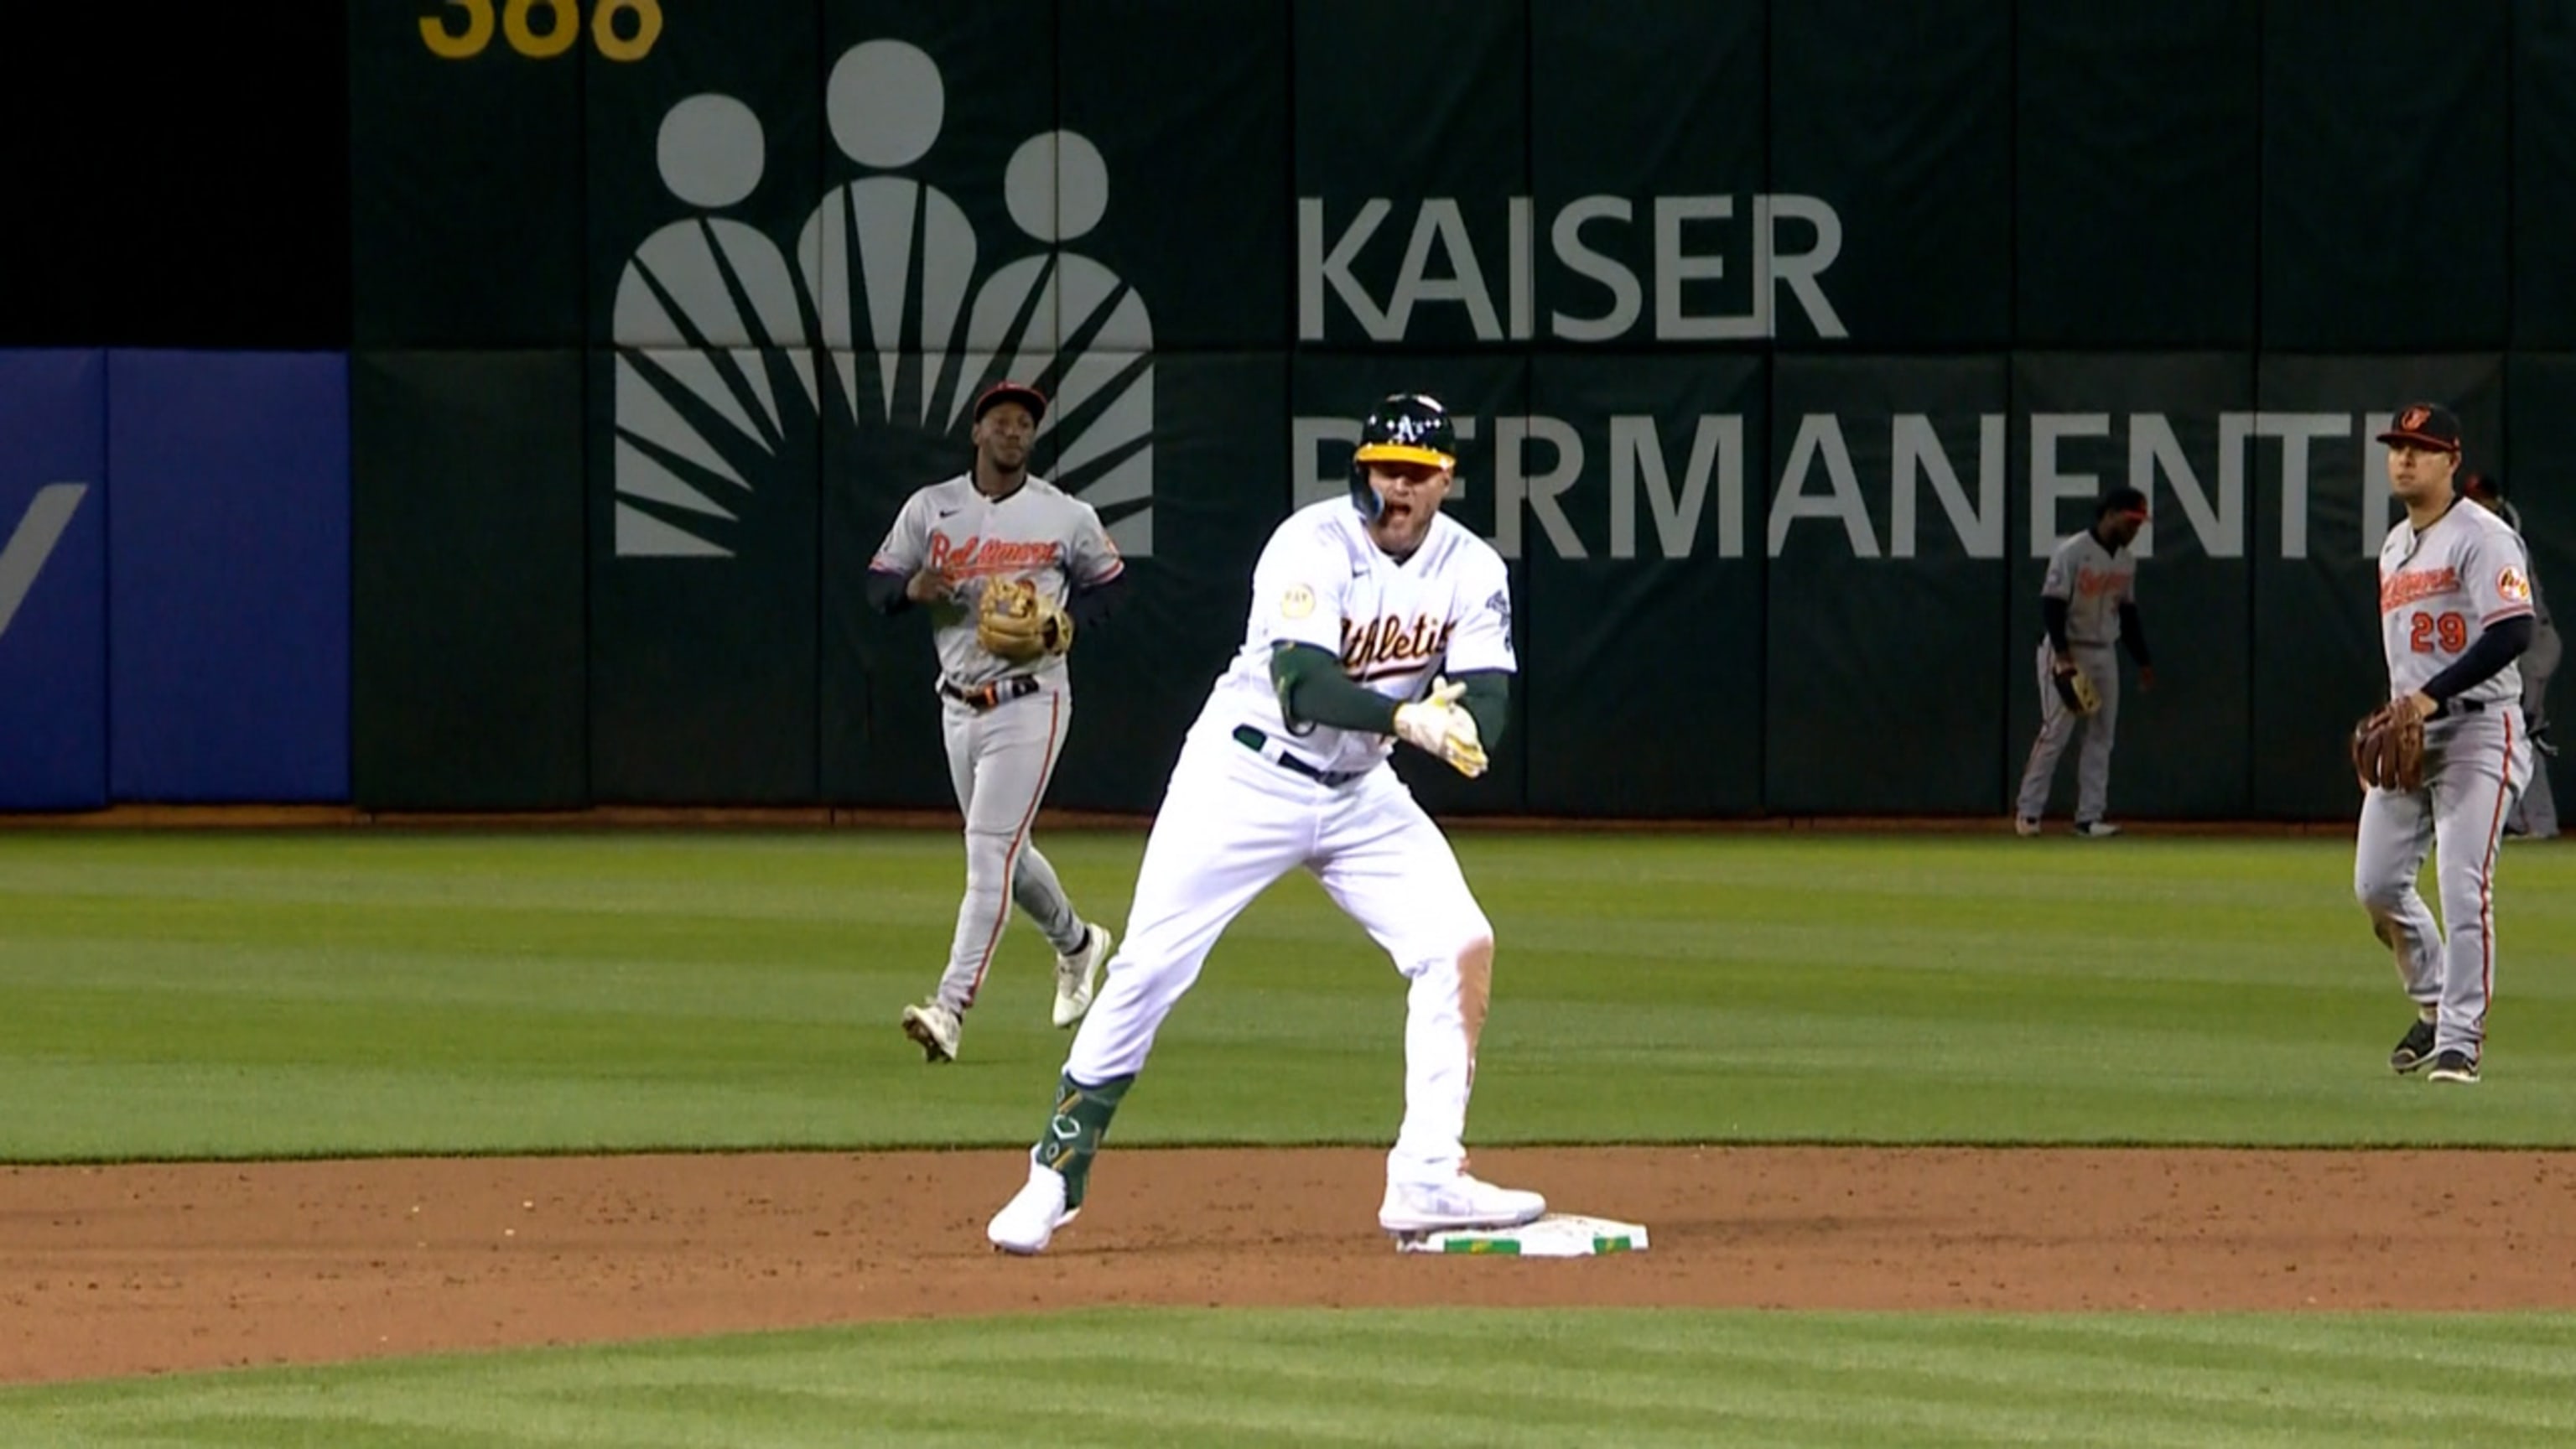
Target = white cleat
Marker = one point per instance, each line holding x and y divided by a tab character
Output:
1461	1202
1077	977
2025	827
1028	1221
935	1027
2096	829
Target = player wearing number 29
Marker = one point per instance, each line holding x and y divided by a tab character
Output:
2455	615
1373	619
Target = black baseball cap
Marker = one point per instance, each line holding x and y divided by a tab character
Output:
1006	391
2425	425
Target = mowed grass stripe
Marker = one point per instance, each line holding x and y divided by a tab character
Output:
377	992
1607	1377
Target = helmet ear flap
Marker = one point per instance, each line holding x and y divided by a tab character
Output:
1363	497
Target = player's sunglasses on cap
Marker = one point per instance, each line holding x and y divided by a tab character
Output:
1018	392
2424	425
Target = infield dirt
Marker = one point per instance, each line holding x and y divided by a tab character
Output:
116	1271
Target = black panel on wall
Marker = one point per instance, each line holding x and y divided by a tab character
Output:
1220	486
467	629
2544	174
1647	166
703	512
177	177
1643	549
1205	232
2386	176
2540	476
1404	230
2166	424
922	240
2135	174
1898	121
703	162
465	159
1886	583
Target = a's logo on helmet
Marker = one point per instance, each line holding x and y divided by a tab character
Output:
721	380
1413	430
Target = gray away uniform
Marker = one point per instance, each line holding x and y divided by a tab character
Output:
2094	582
2439	592
999	758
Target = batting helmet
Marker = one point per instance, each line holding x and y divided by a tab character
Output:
1405	427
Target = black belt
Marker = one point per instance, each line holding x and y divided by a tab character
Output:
1259	743
991	693
2469	706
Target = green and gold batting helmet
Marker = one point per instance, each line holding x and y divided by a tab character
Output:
1406	427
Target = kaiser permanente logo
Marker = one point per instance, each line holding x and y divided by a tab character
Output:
885	315
1784	241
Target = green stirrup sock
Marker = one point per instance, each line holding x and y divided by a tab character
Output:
1073	1134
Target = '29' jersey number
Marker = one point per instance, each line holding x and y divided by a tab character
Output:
2447	632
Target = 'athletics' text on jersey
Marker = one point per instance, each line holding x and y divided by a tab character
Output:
1322	581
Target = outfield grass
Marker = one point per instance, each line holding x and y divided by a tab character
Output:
195	995
373	992
1615	1378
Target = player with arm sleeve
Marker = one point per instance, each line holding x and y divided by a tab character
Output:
1374	619
1010	569
2088	602
2441	762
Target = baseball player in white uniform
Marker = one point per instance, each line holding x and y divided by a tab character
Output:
2455	613
2088	602
1373	619
1004	720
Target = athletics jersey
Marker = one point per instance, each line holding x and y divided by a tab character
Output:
2094	582
1321	581
2442	589
1039	533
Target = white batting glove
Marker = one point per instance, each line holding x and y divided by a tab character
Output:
1424	724
1437	726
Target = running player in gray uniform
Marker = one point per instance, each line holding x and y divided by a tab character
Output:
2089	602
1004	723
2454	614
2535	813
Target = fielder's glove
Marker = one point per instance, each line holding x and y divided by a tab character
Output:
1437	726
2388	748
2074	687
1013	622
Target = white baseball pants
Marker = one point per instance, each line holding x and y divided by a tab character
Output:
1231	823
